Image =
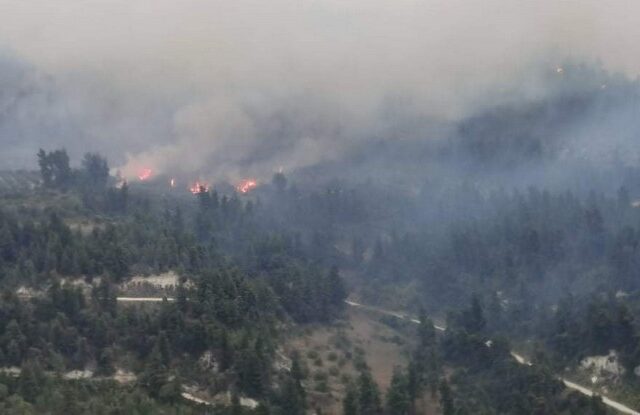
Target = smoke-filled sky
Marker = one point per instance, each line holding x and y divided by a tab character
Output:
235	87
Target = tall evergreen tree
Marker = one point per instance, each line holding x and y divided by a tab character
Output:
398	399
368	395
350	401
95	171
446	398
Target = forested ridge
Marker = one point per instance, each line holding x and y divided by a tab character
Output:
320	207
239	284
548	270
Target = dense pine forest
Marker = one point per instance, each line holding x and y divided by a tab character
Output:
240	282
319	207
549	272
143	296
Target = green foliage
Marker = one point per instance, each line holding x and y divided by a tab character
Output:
54	169
255	264
446	400
280	182
59	397
95	171
350	401
368	395
398	398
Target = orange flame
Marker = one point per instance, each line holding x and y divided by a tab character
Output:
145	174
199	187
246	186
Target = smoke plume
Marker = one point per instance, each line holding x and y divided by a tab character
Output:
232	88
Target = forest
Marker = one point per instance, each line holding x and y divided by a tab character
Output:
244	281
536	265
319	207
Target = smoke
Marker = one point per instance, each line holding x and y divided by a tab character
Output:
38	110
235	88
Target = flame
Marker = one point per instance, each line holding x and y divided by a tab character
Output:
199	187
144	174
560	70
172	182
246	186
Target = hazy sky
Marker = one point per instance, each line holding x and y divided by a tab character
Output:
164	81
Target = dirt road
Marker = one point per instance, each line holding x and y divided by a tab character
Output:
519	358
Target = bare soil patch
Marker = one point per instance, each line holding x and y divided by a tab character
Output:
333	355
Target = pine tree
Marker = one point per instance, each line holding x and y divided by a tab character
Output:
368	395
170	391
105	362
14	353
473	319
154	376
350	401
398	400
597	407
54	168
163	348
46	172
262	409
446	398
249	370
293	400
426	330
95	171
337	289
181	297
81	356
280	182
413	380
297	375
123	198
226	352
31	381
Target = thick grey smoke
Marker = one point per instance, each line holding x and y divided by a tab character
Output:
38	111
234	88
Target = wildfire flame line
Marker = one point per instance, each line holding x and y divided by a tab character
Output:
246	186
199	187
145	174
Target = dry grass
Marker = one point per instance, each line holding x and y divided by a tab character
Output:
332	355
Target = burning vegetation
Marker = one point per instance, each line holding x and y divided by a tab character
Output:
246	186
199	187
145	174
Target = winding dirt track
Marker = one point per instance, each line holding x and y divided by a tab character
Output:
143	299
519	358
